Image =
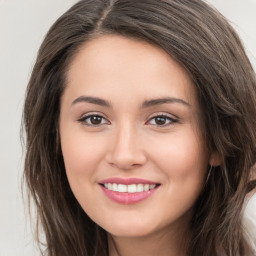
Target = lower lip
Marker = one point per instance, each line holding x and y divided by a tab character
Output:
128	198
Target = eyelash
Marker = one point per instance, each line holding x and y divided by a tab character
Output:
84	119
166	117
171	120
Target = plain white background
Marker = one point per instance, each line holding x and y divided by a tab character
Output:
23	24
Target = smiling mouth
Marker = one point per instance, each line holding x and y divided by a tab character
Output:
128	190
131	188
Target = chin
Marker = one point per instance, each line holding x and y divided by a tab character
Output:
129	232
130	228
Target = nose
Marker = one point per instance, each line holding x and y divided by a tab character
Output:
125	151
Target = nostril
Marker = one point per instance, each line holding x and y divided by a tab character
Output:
126	160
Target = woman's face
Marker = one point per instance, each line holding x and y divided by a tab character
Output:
130	137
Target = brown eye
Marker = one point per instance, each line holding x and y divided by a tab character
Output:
93	120
162	120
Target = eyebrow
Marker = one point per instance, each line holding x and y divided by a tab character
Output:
92	100
145	104
154	102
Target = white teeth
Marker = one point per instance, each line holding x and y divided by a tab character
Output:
121	188
114	187
151	186
132	188
140	188
146	187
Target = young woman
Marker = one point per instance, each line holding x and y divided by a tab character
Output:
141	131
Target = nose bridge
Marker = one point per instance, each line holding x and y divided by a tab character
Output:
126	151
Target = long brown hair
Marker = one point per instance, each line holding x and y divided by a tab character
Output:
201	40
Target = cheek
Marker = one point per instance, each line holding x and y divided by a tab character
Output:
82	154
182	149
183	163
183	159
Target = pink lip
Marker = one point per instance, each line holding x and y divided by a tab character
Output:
124	197
127	198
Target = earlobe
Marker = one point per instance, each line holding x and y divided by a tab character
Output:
215	159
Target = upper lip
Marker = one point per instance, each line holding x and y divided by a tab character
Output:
127	181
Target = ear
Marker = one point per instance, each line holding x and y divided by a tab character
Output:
215	159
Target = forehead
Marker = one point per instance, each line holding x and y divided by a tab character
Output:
113	62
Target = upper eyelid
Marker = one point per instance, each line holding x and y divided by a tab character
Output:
87	114
163	114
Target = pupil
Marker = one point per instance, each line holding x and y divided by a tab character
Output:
95	120
160	120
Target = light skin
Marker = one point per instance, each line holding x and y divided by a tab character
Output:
129	110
